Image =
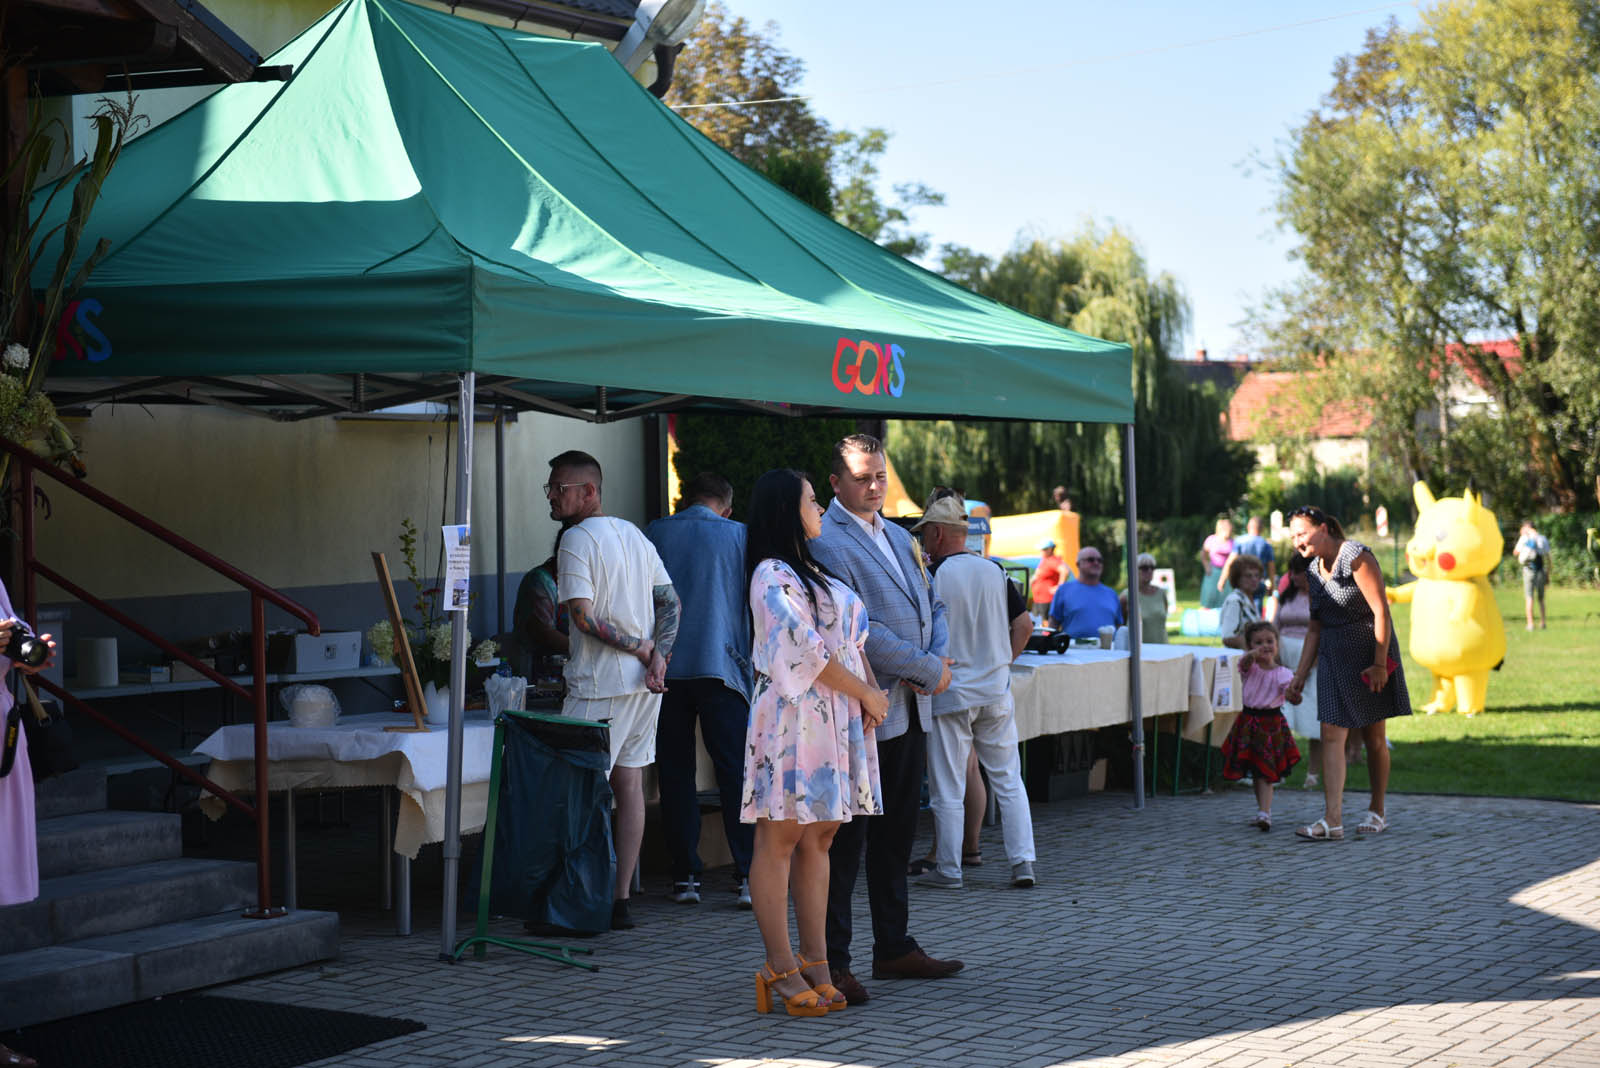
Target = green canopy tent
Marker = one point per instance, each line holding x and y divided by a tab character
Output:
432	206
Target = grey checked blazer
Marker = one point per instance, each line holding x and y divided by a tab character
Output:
906	636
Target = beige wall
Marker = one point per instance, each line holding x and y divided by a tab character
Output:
304	504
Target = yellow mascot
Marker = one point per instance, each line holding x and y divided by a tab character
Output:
1456	630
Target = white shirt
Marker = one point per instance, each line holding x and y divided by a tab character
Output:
611	563
874	529
974	593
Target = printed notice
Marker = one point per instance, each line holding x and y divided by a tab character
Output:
1222	684
457	567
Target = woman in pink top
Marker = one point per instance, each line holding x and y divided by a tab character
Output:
1216	549
1260	744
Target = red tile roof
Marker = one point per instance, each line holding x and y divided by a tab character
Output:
1268	399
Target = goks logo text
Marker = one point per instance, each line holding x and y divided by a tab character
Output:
869	367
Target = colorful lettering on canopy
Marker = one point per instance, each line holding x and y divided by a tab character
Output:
78	318
885	374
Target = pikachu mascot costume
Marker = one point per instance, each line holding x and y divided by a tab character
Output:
1456	630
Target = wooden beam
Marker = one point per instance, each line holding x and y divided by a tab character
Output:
101	9
121	42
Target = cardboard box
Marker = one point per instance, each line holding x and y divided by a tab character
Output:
330	651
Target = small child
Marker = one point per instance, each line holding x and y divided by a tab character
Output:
1261	744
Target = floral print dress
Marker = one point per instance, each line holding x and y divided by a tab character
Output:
807	755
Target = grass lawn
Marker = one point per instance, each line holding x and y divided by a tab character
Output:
1540	734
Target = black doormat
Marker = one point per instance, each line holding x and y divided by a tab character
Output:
196	1031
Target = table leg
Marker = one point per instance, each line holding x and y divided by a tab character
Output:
386	846
1177	754
291	875
402	912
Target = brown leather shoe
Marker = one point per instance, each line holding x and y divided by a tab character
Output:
848	985
915	965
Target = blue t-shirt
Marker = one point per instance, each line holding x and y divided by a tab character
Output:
1254	545
1081	609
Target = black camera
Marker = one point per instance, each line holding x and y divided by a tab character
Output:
24	647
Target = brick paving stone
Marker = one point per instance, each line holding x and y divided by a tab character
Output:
1476	943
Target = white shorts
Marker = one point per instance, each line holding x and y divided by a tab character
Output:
633	724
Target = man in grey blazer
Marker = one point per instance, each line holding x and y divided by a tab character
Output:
906	642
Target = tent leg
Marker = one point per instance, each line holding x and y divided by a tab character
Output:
465	406
499	518
1135	638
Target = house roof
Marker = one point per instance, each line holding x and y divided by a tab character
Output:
1268	399
1224	374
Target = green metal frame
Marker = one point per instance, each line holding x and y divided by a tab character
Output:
1153	745
481	939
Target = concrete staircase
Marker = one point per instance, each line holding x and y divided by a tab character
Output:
123	916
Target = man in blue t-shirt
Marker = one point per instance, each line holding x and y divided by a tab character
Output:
1082	607
1253	544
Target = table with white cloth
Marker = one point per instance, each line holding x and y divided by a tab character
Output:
1084	688
359	752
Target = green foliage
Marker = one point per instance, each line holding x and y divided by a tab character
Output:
804	176
741	448
1445	193
1096	283
1572	563
857	203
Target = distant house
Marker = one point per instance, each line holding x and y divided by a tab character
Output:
1268	402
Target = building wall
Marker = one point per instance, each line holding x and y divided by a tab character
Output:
301	506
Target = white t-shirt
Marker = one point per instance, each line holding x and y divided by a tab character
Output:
610	562
973	590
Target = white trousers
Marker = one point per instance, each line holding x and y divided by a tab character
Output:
992	731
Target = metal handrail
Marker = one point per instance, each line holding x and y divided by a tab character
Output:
260	595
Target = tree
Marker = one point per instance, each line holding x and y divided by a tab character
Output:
741	448
1097	283
857	203
1445	194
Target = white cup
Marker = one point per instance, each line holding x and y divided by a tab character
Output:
1106	634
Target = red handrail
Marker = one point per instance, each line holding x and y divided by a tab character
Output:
260	594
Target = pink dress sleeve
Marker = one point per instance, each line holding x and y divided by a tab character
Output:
789	649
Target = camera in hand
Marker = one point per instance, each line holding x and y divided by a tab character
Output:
25	648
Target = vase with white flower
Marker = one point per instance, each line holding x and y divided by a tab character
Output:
428	635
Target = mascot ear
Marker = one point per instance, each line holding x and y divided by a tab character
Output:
1473	503
1422	495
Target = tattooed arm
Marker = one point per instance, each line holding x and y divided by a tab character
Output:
668	610
580	612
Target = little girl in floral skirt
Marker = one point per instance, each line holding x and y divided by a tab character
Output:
1261	744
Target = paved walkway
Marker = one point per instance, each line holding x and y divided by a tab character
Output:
1469	935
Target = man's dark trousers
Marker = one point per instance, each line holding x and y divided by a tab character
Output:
724	719
889	839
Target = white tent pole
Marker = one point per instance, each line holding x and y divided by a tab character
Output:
1135	638
465	407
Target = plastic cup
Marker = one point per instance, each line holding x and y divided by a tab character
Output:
1106	634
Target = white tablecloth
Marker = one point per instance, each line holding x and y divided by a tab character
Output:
359	752
1085	688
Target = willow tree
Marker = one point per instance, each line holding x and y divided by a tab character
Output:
1444	195
1097	283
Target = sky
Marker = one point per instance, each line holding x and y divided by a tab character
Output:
1163	118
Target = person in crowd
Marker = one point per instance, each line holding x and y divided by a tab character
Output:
989	626
976	800
1290	612
1082	607
708	679
1533	553
1239	610
538	618
1068	529
1360	683
624	619
906	649
19	851
1046	577
1260	745
811	758
1253	544
1152	603
1216	550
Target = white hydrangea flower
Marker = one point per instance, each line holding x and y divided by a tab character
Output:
15	358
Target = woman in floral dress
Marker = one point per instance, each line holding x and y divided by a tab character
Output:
810	759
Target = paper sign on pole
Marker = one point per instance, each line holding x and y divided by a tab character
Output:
457	567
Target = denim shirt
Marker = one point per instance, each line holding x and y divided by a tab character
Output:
704	554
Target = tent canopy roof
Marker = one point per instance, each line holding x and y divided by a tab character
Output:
429	195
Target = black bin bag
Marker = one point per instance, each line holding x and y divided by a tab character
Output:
553	858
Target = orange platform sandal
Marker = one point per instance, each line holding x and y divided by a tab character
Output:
832	996
808	1004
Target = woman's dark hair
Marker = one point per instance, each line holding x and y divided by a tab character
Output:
774	530
555	554
1319	518
1298	565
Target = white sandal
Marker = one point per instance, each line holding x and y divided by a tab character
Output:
1320	832
1372	823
